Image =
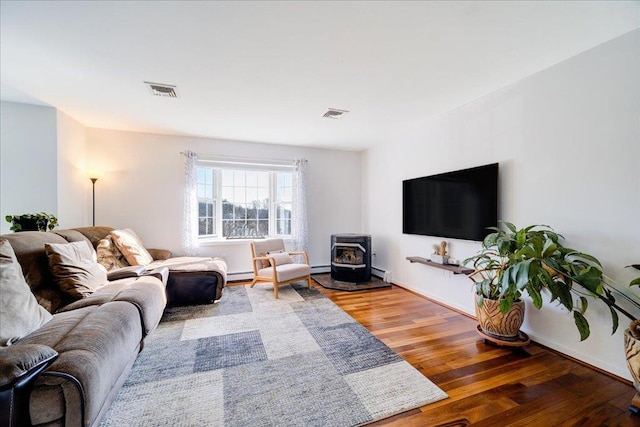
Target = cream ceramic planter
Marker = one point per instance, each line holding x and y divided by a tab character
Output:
494	322
632	352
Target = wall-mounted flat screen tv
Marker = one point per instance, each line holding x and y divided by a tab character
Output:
459	204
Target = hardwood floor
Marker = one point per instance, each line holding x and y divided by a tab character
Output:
487	385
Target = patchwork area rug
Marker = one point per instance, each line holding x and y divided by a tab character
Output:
252	360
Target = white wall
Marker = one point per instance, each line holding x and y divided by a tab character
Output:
74	186
144	180
28	168
568	143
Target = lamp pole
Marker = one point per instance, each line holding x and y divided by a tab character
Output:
93	184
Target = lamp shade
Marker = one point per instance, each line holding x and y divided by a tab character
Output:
94	173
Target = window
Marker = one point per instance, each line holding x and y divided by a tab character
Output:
206	203
284	202
239	203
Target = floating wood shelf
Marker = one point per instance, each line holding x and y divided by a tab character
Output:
456	269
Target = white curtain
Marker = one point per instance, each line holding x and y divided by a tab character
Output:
300	232
190	220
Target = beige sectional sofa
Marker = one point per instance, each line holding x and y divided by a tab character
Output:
69	369
192	280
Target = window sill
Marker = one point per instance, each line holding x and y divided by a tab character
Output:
213	241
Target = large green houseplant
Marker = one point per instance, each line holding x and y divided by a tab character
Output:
533	260
40	221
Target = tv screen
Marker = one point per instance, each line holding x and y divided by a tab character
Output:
459	204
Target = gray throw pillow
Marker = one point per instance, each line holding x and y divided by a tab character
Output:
75	268
20	313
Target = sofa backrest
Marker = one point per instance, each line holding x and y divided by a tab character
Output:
93	234
29	249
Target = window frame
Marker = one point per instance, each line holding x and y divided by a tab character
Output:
274	202
214	201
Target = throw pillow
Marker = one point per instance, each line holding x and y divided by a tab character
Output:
109	255
267	263
20	313
75	268
281	257
131	247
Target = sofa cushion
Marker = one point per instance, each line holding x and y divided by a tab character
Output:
94	234
97	346
146	293
182	263
109	255
75	268
128	242
20	313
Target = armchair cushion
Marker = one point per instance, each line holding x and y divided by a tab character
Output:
128	242
20	313
75	268
287	272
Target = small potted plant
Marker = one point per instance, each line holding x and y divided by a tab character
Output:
40	221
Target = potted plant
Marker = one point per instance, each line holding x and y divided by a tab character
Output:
40	221
532	260
632	333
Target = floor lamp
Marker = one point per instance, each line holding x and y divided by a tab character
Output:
93	184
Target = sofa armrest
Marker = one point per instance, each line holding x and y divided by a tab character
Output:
19	366
19	361
124	272
159	254
161	273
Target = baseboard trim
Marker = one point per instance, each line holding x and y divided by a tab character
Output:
452	308
241	276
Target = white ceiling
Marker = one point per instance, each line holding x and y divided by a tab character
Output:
267	71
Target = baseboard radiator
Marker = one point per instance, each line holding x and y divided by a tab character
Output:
242	276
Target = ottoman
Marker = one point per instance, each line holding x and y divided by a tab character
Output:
194	280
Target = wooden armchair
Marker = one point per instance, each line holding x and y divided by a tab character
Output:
271	263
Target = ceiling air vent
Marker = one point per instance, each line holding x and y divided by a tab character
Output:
334	113
160	89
